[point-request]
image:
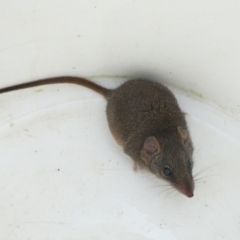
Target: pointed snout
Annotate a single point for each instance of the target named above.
(187, 189)
(190, 195)
(187, 192)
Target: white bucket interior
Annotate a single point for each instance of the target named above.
(62, 174)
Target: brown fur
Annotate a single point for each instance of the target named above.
(145, 119)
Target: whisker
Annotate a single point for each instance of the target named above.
(204, 181)
(155, 186)
(208, 182)
(201, 171)
(196, 154)
(206, 177)
(205, 169)
(168, 195)
(165, 190)
(198, 150)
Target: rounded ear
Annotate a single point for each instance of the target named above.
(150, 148)
(183, 135)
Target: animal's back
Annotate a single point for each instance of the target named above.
(142, 107)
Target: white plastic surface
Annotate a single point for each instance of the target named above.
(63, 177)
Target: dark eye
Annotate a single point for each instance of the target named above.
(167, 172)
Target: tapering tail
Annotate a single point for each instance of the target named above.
(72, 80)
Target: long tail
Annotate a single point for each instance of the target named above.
(73, 80)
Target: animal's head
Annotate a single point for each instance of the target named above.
(171, 159)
